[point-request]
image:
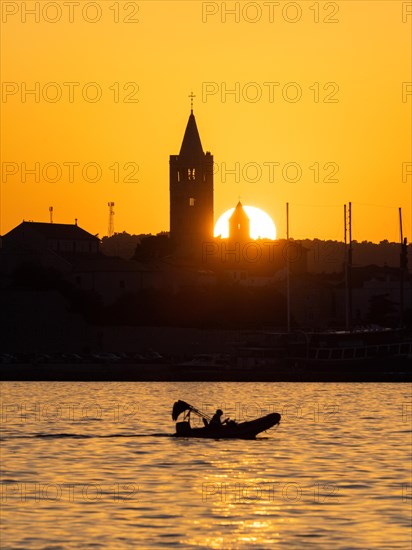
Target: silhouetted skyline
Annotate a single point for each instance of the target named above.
(316, 130)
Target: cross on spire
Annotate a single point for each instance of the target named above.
(192, 96)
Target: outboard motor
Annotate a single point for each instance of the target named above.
(183, 428)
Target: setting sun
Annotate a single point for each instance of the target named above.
(261, 224)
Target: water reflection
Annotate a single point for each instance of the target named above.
(334, 474)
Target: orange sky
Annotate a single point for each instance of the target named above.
(268, 52)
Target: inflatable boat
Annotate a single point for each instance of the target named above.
(227, 430)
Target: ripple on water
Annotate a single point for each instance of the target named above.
(327, 477)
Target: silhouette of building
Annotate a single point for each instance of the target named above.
(54, 237)
(239, 225)
(191, 195)
(47, 244)
(75, 254)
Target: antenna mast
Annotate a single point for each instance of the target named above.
(111, 218)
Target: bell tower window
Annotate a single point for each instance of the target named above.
(192, 201)
(191, 174)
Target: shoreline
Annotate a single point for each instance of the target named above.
(174, 372)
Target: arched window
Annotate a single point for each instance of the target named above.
(191, 174)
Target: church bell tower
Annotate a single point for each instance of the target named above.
(239, 225)
(191, 194)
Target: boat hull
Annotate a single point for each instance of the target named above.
(243, 430)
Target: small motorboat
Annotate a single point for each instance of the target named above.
(229, 429)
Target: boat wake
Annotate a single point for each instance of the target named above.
(81, 436)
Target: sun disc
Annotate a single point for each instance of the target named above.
(261, 224)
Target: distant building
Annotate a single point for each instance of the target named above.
(75, 253)
(46, 244)
(56, 237)
(113, 277)
(319, 300)
(239, 225)
(191, 195)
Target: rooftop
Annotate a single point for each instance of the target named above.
(57, 231)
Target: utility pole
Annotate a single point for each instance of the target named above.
(345, 266)
(403, 270)
(350, 312)
(287, 267)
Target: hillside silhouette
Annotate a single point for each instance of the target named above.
(324, 256)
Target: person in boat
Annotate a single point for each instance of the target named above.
(216, 421)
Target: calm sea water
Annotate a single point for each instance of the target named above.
(92, 465)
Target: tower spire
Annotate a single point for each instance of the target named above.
(191, 145)
(192, 96)
(239, 224)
